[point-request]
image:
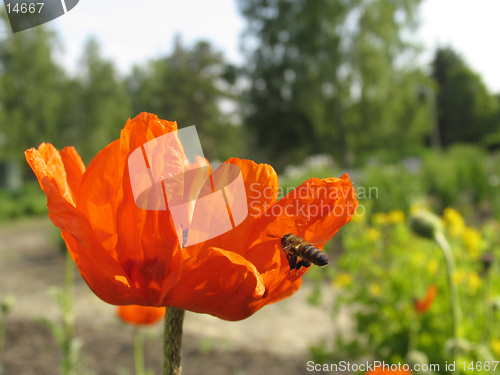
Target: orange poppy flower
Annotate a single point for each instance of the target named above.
(140, 315)
(382, 371)
(128, 255)
(421, 306)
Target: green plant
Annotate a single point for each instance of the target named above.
(384, 267)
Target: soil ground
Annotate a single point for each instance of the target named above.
(273, 341)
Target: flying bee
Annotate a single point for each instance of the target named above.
(301, 253)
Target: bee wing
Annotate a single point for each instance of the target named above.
(317, 244)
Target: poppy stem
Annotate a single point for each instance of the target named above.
(172, 341)
(68, 358)
(3, 328)
(138, 352)
(69, 277)
(413, 335)
(455, 307)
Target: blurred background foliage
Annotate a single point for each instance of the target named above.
(327, 87)
(339, 78)
(386, 268)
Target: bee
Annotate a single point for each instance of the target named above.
(301, 253)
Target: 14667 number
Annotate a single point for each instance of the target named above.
(479, 366)
(24, 8)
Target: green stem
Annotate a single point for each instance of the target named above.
(455, 307)
(172, 341)
(488, 313)
(3, 326)
(138, 352)
(413, 337)
(69, 276)
(68, 315)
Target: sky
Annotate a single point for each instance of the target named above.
(132, 32)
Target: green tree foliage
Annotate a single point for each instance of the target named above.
(100, 101)
(332, 77)
(294, 92)
(188, 86)
(30, 87)
(40, 103)
(387, 111)
(466, 111)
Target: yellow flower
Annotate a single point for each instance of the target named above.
(358, 218)
(432, 266)
(379, 219)
(495, 346)
(454, 221)
(343, 279)
(416, 207)
(458, 276)
(373, 234)
(396, 217)
(474, 281)
(472, 239)
(375, 289)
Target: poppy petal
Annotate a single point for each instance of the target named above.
(101, 272)
(140, 315)
(48, 159)
(216, 282)
(421, 306)
(278, 292)
(315, 211)
(74, 167)
(109, 202)
(261, 186)
(272, 263)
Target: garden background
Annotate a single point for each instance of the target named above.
(327, 87)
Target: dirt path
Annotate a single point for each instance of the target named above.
(273, 341)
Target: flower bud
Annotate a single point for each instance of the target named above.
(415, 357)
(7, 304)
(426, 224)
(460, 346)
(495, 304)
